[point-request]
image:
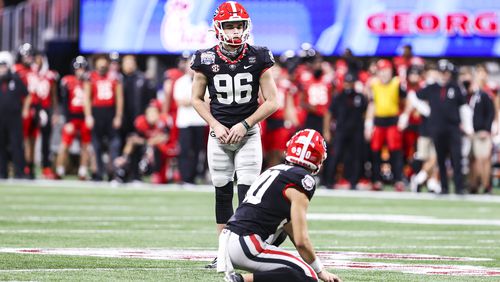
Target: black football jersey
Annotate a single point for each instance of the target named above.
(266, 209)
(233, 85)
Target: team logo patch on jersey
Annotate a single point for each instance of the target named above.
(207, 58)
(308, 182)
(252, 59)
(215, 68)
(232, 67)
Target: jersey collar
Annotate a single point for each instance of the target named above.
(228, 60)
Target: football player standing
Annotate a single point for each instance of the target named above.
(233, 71)
(277, 201)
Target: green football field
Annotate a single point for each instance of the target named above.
(85, 231)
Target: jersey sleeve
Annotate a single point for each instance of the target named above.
(268, 58)
(195, 62)
(304, 182)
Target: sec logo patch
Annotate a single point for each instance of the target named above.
(308, 182)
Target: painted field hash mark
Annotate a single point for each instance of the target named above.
(339, 260)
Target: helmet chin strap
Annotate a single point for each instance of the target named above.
(231, 54)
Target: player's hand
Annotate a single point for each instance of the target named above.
(69, 128)
(221, 133)
(483, 134)
(236, 133)
(89, 122)
(328, 277)
(117, 122)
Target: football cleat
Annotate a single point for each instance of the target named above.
(233, 277)
(212, 265)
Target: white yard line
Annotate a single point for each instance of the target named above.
(405, 219)
(100, 219)
(338, 260)
(101, 231)
(210, 189)
(88, 269)
(387, 218)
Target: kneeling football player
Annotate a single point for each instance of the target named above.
(277, 201)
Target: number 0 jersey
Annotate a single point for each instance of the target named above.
(266, 209)
(233, 85)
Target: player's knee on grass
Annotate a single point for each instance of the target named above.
(224, 203)
(282, 275)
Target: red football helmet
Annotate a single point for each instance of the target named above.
(306, 148)
(231, 11)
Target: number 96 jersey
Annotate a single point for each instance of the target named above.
(233, 85)
(266, 208)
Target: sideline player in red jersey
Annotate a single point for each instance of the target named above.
(278, 127)
(72, 95)
(149, 145)
(43, 113)
(103, 108)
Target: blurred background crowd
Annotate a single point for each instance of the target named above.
(404, 121)
(108, 120)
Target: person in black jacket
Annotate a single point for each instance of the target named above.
(482, 120)
(447, 103)
(138, 91)
(348, 110)
(12, 93)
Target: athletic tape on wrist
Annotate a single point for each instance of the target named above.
(317, 265)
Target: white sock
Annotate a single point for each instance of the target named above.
(421, 177)
(60, 170)
(82, 171)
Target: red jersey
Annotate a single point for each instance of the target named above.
(40, 87)
(317, 95)
(74, 88)
(103, 90)
(146, 130)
